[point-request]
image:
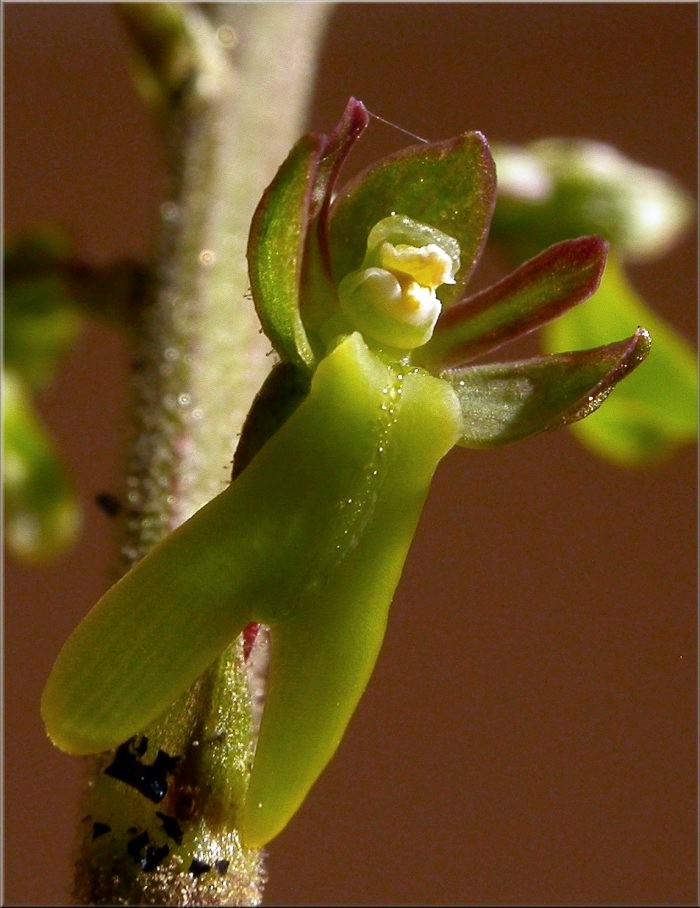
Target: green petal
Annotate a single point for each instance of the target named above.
(449, 185)
(538, 291)
(337, 147)
(310, 539)
(504, 402)
(319, 300)
(275, 251)
(324, 650)
(42, 517)
(655, 411)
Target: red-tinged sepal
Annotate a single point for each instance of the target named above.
(504, 402)
(535, 293)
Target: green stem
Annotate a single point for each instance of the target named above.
(237, 79)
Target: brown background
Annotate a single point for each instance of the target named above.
(529, 734)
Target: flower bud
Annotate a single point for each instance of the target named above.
(557, 188)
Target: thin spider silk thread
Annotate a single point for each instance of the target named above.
(396, 126)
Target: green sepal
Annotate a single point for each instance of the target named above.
(42, 517)
(505, 402)
(449, 185)
(281, 393)
(275, 251)
(655, 411)
(538, 291)
(310, 539)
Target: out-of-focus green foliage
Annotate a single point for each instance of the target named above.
(41, 319)
(48, 296)
(42, 516)
(653, 411)
(555, 189)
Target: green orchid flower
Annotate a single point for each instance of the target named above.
(363, 296)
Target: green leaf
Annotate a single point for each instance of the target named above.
(538, 291)
(504, 402)
(655, 411)
(449, 185)
(275, 251)
(42, 517)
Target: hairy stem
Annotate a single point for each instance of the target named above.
(231, 83)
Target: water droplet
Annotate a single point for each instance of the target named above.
(226, 36)
(130, 553)
(170, 212)
(207, 257)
